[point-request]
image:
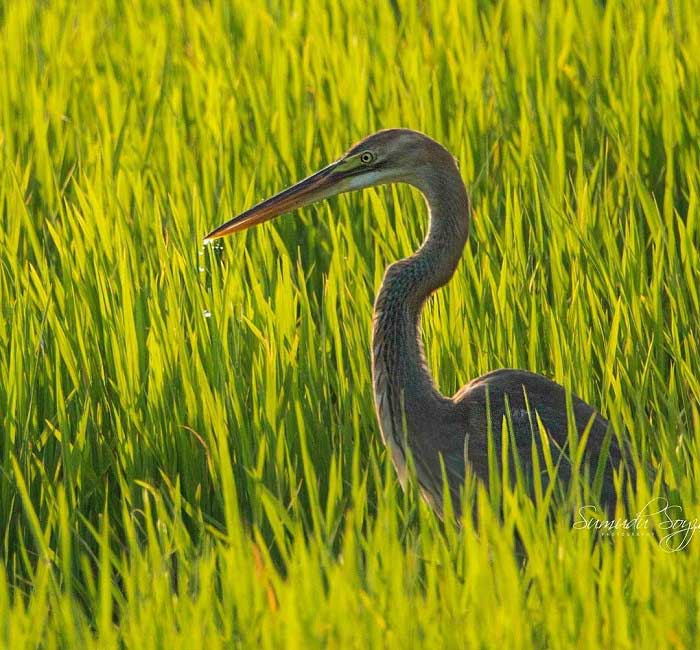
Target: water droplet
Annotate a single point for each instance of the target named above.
(207, 313)
(201, 269)
(214, 244)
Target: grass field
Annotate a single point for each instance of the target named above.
(189, 455)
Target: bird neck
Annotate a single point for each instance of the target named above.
(406, 397)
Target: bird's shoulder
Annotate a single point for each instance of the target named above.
(522, 398)
(510, 380)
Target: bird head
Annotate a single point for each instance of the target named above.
(389, 156)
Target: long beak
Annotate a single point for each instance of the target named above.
(320, 185)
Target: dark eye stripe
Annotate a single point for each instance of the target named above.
(345, 173)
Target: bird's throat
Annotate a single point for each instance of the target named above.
(406, 397)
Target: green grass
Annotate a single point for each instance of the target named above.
(189, 456)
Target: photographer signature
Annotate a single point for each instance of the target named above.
(675, 531)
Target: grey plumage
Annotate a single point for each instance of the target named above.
(438, 430)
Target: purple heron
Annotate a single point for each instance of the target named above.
(445, 435)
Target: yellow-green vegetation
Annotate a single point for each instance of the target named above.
(189, 456)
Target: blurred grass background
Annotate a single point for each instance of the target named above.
(189, 456)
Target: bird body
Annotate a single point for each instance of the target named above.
(413, 415)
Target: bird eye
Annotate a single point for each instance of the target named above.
(366, 157)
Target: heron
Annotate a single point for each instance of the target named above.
(446, 437)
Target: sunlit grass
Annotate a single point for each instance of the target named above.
(189, 455)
